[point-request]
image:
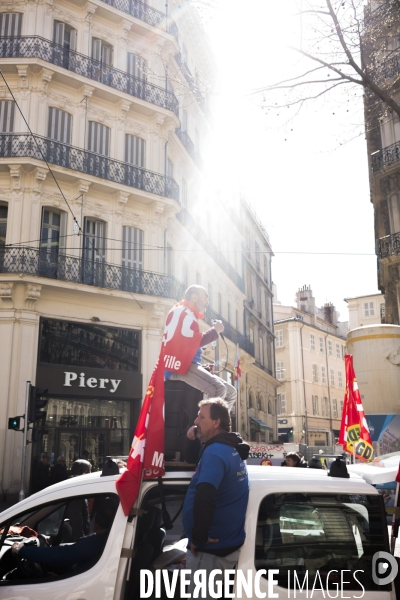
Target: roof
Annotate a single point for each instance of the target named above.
(310, 325)
(365, 296)
(261, 423)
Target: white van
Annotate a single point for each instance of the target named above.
(303, 528)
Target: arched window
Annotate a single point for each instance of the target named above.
(270, 407)
(252, 403)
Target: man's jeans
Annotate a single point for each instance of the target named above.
(211, 385)
(207, 563)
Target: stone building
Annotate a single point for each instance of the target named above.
(94, 252)
(310, 347)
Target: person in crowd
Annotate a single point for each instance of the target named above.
(292, 459)
(83, 551)
(315, 463)
(59, 471)
(184, 341)
(216, 501)
(41, 474)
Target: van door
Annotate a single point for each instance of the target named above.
(59, 522)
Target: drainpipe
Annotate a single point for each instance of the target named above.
(329, 392)
(304, 384)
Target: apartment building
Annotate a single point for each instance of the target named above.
(310, 347)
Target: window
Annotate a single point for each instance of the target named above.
(65, 521)
(337, 350)
(321, 345)
(257, 253)
(65, 36)
(7, 108)
(315, 373)
(184, 120)
(137, 67)
(237, 320)
(325, 406)
(266, 269)
(330, 348)
(135, 150)
(279, 338)
(341, 407)
(261, 349)
(312, 341)
(251, 334)
(229, 312)
(369, 310)
(94, 251)
(332, 375)
(59, 125)
(99, 138)
(281, 404)
(10, 24)
(3, 224)
(323, 375)
(170, 260)
(219, 304)
(334, 408)
(340, 379)
(343, 350)
(52, 239)
(280, 371)
(102, 51)
(132, 244)
(309, 529)
(184, 194)
(315, 405)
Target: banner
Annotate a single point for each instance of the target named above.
(181, 338)
(146, 456)
(354, 432)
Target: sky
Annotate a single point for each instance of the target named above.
(307, 181)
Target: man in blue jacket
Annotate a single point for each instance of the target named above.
(215, 506)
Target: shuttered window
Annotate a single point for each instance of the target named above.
(64, 35)
(99, 138)
(59, 125)
(135, 150)
(137, 66)
(10, 24)
(3, 223)
(102, 51)
(132, 254)
(94, 240)
(7, 108)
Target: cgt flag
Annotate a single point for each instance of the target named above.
(354, 432)
(146, 457)
(237, 373)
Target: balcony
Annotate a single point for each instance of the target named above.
(18, 145)
(189, 146)
(388, 69)
(144, 12)
(51, 265)
(40, 48)
(230, 332)
(385, 157)
(389, 246)
(192, 81)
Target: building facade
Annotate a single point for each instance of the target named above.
(310, 347)
(96, 249)
(366, 310)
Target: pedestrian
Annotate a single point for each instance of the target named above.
(41, 474)
(315, 463)
(216, 501)
(323, 460)
(183, 343)
(292, 459)
(59, 471)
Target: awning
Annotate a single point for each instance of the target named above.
(260, 423)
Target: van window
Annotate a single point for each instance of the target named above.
(54, 531)
(310, 537)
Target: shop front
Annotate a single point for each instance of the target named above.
(92, 374)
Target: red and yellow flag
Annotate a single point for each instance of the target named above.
(354, 432)
(146, 457)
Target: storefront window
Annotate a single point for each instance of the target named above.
(88, 346)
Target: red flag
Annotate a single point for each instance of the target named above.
(237, 373)
(147, 450)
(354, 432)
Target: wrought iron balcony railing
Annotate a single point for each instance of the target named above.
(230, 332)
(385, 157)
(189, 145)
(38, 47)
(53, 265)
(146, 13)
(191, 80)
(389, 245)
(84, 161)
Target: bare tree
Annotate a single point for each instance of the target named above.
(348, 44)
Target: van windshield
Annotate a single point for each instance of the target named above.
(331, 537)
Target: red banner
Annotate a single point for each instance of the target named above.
(181, 339)
(354, 432)
(147, 450)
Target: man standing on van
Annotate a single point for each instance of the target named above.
(183, 343)
(215, 506)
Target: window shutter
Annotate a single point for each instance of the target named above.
(59, 125)
(132, 254)
(10, 24)
(135, 150)
(58, 33)
(7, 108)
(99, 138)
